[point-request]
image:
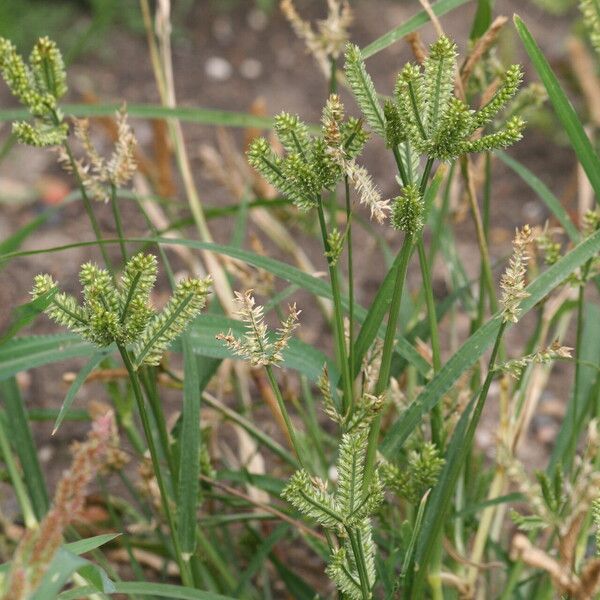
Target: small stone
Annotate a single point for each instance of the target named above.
(218, 68)
(222, 30)
(257, 19)
(532, 211)
(250, 68)
(46, 453)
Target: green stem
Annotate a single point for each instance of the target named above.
(350, 276)
(139, 397)
(347, 399)
(437, 424)
(118, 222)
(286, 417)
(13, 472)
(360, 564)
(159, 417)
(387, 351)
(578, 365)
(87, 204)
(390, 333)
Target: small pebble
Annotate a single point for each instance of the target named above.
(250, 68)
(46, 453)
(218, 68)
(257, 19)
(532, 211)
(222, 30)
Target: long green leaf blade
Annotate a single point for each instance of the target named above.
(24, 445)
(421, 18)
(477, 344)
(77, 383)
(189, 463)
(563, 107)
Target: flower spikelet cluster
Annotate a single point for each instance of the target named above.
(38, 546)
(590, 9)
(408, 210)
(346, 512)
(513, 280)
(257, 345)
(419, 474)
(97, 173)
(38, 85)
(369, 195)
(314, 164)
(425, 118)
(328, 41)
(121, 312)
(556, 351)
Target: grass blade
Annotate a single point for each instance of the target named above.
(190, 114)
(142, 588)
(24, 446)
(421, 18)
(477, 344)
(21, 354)
(94, 361)
(60, 570)
(89, 544)
(26, 313)
(564, 109)
(189, 463)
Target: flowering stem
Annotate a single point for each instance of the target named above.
(390, 333)
(284, 412)
(139, 397)
(350, 276)
(118, 222)
(87, 204)
(359, 558)
(436, 414)
(148, 384)
(347, 399)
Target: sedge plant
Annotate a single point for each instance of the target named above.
(370, 465)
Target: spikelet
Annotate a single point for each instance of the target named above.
(333, 115)
(346, 512)
(555, 351)
(38, 546)
(96, 173)
(437, 84)
(48, 68)
(513, 279)
(38, 86)
(364, 91)
(189, 298)
(408, 210)
(328, 41)
(121, 312)
(426, 117)
(419, 474)
(257, 346)
(314, 164)
(590, 9)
